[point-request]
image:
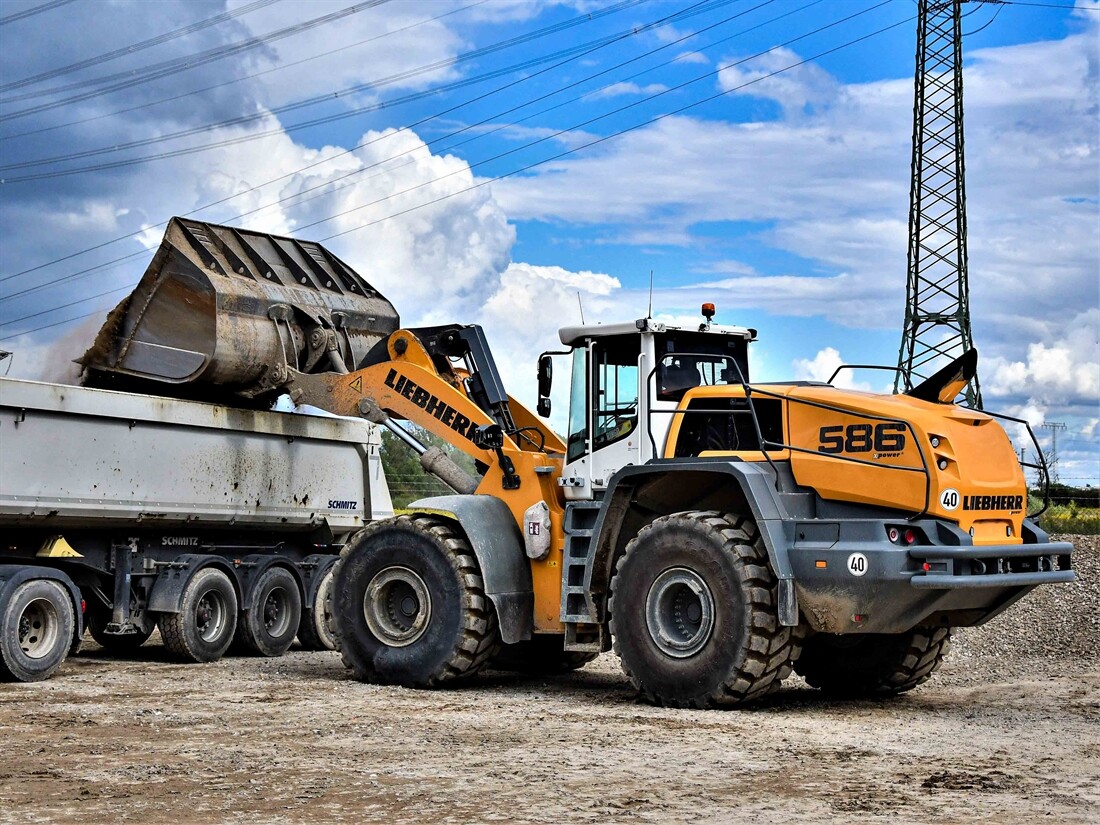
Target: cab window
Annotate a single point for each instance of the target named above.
(615, 375)
(578, 407)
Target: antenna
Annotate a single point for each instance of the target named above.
(580, 305)
(649, 312)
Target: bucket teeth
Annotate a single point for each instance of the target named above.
(228, 308)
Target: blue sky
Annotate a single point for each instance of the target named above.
(783, 201)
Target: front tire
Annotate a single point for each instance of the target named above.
(873, 664)
(409, 605)
(203, 629)
(36, 631)
(694, 613)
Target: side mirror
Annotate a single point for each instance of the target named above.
(546, 381)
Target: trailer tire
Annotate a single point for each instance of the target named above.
(694, 613)
(873, 664)
(203, 629)
(541, 655)
(36, 631)
(268, 626)
(97, 619)
(315, 628)
(409, 605)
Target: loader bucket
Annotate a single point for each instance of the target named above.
(229, 308)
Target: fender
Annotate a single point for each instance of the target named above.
(13, 575)
(312, 569)
(498, 546)
(167, 592)
(742, 483)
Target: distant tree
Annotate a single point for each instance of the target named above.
(407, 479)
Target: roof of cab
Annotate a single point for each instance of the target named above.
(570, 336)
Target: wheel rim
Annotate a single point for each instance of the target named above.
(276, 612)
(679, 612)
(210, 615)
(397, 606)
(38, 629)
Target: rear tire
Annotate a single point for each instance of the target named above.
(269, 624)
(409, 605)
(541, 655)
(36, 631)
(203, 629)
(873, 664)
(315, 628)
(694, 613)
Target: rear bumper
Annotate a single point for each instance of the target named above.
(901, 587)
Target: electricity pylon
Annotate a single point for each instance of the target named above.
(937, 293)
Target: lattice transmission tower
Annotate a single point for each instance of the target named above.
(937, 300)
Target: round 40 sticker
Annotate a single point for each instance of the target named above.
(949, 499)
(857, 564)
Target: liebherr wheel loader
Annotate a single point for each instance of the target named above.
(716, 533)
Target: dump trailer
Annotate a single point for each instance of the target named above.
(122, 511)
(716, 533)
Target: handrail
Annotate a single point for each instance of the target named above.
(905, 375)
(1042, 467)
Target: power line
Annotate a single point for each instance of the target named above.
(231, 81)
(137, 47)
(581, 147)
(327, 97)
(185, 63)
(114, 262)
(22, 15)
(661, 21)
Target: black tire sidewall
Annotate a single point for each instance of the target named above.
(697, 676)
(204, 581)
(256, 634)
(420, 662)
(15, 661)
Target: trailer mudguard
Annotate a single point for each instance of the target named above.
(167, 592)
(675, 483)
(498, 546)
(13, 575)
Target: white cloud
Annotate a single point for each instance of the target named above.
(821, 368)
(621, 89)
(798, 89)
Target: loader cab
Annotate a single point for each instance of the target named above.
(626, 381)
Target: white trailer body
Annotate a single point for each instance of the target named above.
(129, 511)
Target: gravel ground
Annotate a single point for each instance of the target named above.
(1008, 732)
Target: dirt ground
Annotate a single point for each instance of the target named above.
(992, 738)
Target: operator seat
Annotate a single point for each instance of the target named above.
(677, 377)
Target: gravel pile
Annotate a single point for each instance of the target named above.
(1054, 630)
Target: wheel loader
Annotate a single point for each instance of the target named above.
(716, 533)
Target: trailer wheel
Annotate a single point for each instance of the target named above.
(271, 621)
(204, 627)
(540, 655)
(409, 605)
(694, 613)
(36, 631)
(315, 628)
(869, 664)
(97, 619)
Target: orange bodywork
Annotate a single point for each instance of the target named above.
(874, 449)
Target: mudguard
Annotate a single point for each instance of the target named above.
(168, 589)
(753, 483)
(13, 575)
(498, 546)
